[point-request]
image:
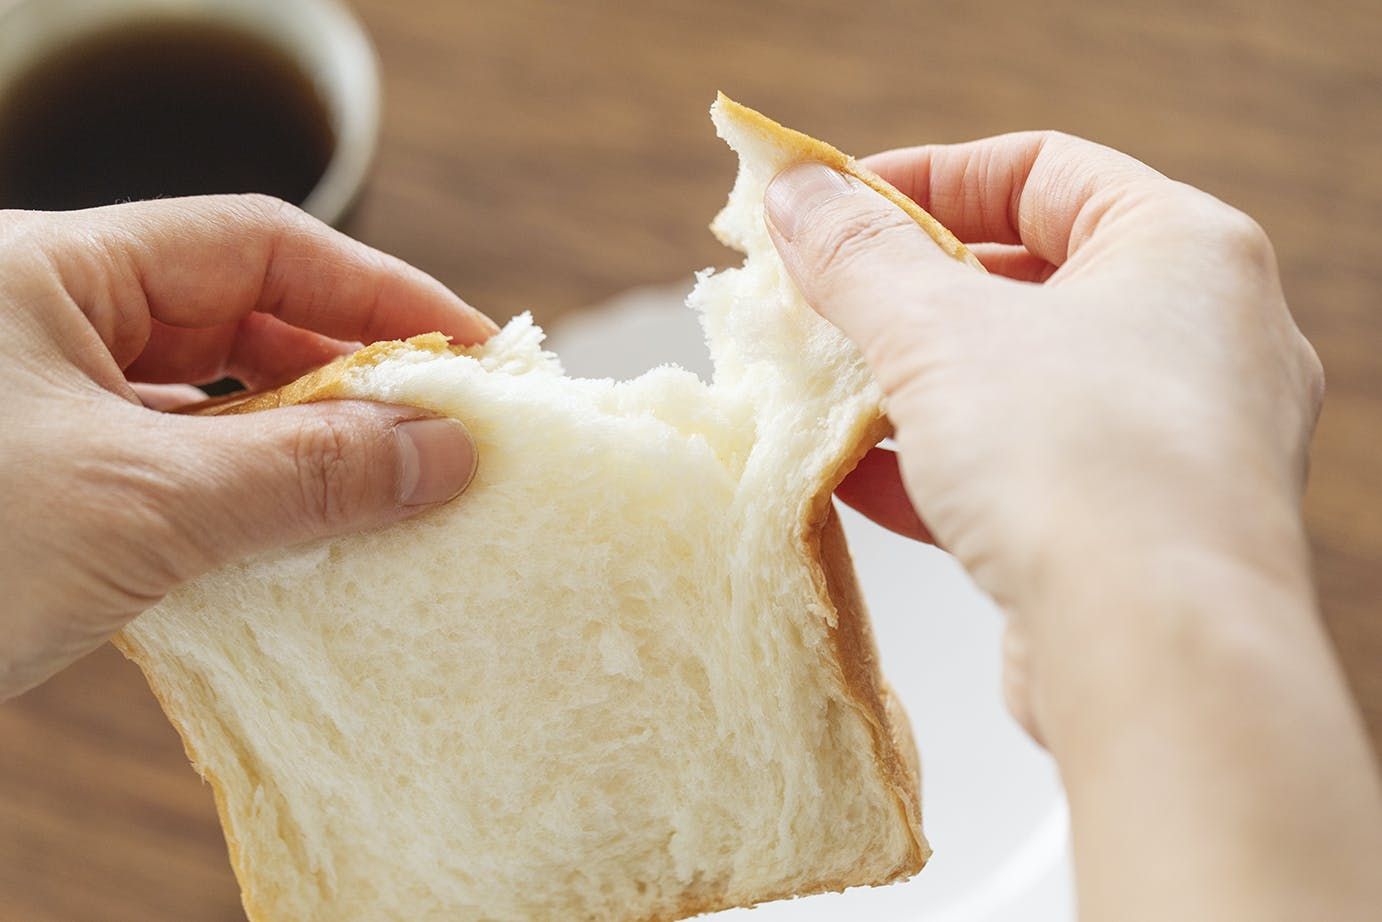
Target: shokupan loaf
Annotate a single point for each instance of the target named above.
(627, 676)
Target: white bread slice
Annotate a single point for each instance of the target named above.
(627, 676)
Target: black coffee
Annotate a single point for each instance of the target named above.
(161, 109)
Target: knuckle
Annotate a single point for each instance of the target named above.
(1241, 237)
(1233, 235)
(326, 474)
(1175, 209)
(264, 203)
(261, 209)
(1210, 226)
(1313, 372)
(1052, 138)
(13, 223)
(34, 241)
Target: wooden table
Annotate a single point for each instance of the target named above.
(545, 155)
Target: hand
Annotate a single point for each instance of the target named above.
(1110, 433)
(1129, 374)
(107, 504)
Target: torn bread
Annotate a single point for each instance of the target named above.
(627, 676)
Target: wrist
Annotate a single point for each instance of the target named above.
(1155, 534)
(1124, 630)
(1201, 724)
(1218, 562)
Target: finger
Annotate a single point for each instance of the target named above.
(259, 350)
(858, 259)
(207, 261)
(1012, 261)
(268, 352)
(1044, 190)
(167, 396)
(178, 355)
(232, 486)
(875, 489)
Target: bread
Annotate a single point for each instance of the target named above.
(627, 676)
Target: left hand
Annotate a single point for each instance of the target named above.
(108, 504)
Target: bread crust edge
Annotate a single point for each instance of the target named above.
(856, 652)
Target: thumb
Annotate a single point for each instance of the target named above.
(247, 483)
(857, 258)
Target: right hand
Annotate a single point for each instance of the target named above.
(1110, 433)
(1129, 375)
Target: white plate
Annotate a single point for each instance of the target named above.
(992, 805)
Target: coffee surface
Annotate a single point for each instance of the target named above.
(161, 109)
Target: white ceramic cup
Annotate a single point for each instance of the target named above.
(321, 36)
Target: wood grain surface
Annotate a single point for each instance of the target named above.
(544, 155)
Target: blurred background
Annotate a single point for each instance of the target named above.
(546, 156)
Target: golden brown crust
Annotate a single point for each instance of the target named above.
(326, 383)
(805, 147)
(856, 655)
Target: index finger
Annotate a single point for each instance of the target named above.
(202, 262)
(1042, 189)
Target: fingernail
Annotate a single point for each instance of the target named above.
(437, 460)
(798, 191)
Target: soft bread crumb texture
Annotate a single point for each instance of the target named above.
(627, 676)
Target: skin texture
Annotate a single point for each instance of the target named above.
(1110, 432)
(108, 503)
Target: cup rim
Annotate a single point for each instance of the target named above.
(323, 37)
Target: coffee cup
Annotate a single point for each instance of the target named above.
(108, 100)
